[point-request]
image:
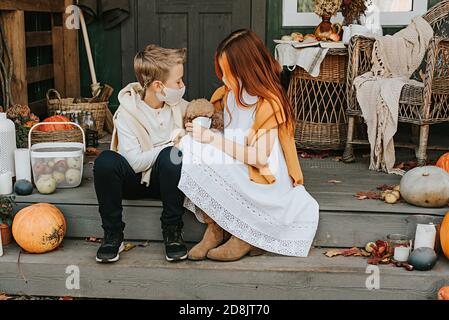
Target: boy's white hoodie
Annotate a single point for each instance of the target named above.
(131, 116)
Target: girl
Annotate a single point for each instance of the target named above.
(248, 182)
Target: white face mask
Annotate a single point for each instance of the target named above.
(172, 96)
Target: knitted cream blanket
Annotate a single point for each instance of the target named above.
(394, 58)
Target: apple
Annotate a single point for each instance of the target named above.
(73, 177)
(46, 184)
(59, 177)
(74, 163)
(61, 166)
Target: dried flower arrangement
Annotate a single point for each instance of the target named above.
(327, 8)
(353, 9)
(23, 120)
(6, 209)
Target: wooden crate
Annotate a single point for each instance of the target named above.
(65, 67)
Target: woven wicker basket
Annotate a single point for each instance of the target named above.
(98, 109)
(319, 104)
(56, 136)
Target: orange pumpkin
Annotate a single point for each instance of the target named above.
(55, 127)
(443, 294)
(444, 235)
(39, 228)
(443, 162)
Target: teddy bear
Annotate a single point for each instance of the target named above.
(203, 108)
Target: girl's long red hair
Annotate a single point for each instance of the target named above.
(247, 64)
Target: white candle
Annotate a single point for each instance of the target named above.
(401, 254)
(425, 236)
(23, 164)
(5, 183)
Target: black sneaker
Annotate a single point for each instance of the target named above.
(111, 247)
(175, 248)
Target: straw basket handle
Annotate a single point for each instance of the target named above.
(52, 123)
(56, 93)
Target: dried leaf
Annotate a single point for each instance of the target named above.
(129, 246)
(144, 244)
(372, 195)
(333, 253)
(386, 187)
(352, 252)
(4, 297)
(320, 155)
(66, 298)
(365, 253)
(92, 151)
(93, 239)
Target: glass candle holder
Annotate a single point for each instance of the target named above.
(397, 240)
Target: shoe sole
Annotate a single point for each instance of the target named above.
(176, 259)
(115, 259)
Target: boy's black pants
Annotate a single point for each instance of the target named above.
(116, 180)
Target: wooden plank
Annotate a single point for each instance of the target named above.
(33, 5)
(129, 44)
(14, 27)
(40, 73)
(400, 144)
(57, 33)
(38, 39)
(143, 273)
(336, 229)
(258, 18)
(71, 59)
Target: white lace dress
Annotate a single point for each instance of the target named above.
(275, 217)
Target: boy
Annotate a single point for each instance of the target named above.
(143, 161)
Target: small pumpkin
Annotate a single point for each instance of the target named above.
(444, 235)
(443, 162)
(55, 127)
(426, 187)
(23, 188)
(39, 228)
(423, 259)
(443, 294)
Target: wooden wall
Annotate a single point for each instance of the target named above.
(107, 52)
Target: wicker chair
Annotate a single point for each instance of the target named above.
(418, 106)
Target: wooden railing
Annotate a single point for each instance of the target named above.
(65, 67)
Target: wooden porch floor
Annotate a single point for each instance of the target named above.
(143, 273)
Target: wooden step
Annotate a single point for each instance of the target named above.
(143, 273)
(344, 220)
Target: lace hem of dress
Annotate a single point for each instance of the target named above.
(200, 198)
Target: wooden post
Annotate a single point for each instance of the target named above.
(14, 26)
(57, 33)
(71, 58)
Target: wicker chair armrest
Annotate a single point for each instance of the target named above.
(436, 82)
(360, 61)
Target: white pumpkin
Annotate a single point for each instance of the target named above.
(74, 163)
(46, 184)
(73, 177)
(426, 187)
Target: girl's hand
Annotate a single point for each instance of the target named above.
(202, 134)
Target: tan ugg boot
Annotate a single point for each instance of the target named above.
(234, 249)
(213, 237)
